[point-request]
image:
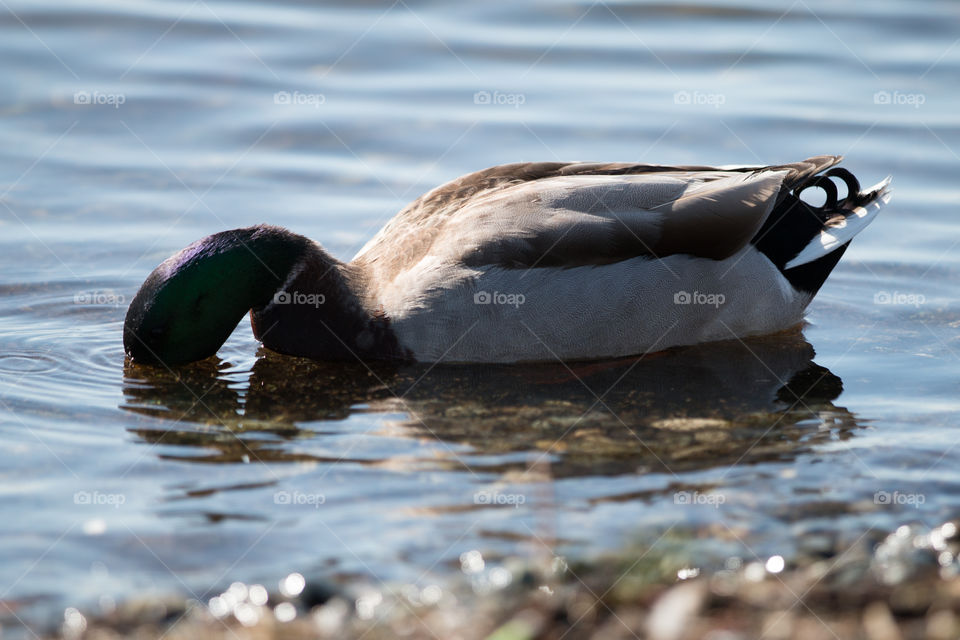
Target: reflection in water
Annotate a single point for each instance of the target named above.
(684, 409)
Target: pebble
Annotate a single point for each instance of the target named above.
(674, 611)
(878, 623)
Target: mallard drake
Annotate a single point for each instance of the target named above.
(523, 262)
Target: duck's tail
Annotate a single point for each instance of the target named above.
(806, 242)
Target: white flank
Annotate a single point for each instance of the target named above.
(626, 308)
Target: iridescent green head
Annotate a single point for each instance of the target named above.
(190, 304)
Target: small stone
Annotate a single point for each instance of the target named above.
(878, 623)
(673, 613)
(689, 424)
(778, 625)
(942, 625)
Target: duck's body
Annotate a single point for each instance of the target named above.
(526, 262)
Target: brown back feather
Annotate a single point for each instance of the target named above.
(411, 234)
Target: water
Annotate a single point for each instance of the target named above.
(132, 129)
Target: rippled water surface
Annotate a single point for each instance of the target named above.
(132, 129)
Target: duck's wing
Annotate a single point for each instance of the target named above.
(573, 214)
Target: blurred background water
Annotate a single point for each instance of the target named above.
(131, 129)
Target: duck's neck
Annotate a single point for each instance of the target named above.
(321, 312)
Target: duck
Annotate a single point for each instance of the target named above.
(524, 262)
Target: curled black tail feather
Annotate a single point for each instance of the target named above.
(793, 223)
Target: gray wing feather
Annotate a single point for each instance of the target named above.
(572, 214)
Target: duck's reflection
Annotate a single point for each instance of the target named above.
(716, 404)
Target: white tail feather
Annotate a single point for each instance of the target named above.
(837, 235)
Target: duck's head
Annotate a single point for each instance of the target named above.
(190, 304)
